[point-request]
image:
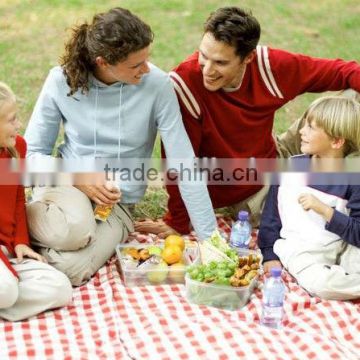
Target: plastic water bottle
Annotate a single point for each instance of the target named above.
(241, 231)
(273, 300)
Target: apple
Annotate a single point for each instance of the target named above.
(177, 272)
(158, 273)
(154, 250)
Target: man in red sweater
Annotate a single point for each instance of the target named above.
(229, 91)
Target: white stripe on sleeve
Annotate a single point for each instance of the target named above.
(187, 92)
(262, 71)
(270, 74)
(183, 98)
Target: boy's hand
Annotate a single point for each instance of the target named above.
(311, 202)
(268, 265)
(22, 250)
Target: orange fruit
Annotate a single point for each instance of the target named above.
(171, 254)
(175, 240)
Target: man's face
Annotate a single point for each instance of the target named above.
(220, 66)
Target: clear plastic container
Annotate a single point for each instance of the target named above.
(150, 272)
(220, 296)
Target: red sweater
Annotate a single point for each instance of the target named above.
(239, 124)
(13, 225)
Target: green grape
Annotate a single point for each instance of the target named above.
(213, 272)
(221, 274)
(200, 277)
(213, 265)
(233, 255)
(229, 272)
(194, 273)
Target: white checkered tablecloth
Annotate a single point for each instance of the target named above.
(110, 321)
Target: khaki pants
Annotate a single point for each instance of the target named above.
(61, 223)
(328, 271)
(254, 205)
(289, 142)
(40, 287)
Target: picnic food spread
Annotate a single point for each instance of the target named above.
(216, 274)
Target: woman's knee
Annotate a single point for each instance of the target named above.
(76, 265)
(51, 226)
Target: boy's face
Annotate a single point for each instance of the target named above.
(315, 141)
(220, 66)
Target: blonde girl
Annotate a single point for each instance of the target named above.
(28, 285)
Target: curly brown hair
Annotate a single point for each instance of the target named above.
(235, 27)
(112, 35)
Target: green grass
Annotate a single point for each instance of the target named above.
(32, 33)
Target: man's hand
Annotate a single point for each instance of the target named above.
(311, 202)
(22, 251)
(268, 265)
(157, 227)
(101, 194)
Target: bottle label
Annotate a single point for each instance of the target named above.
(239, 240)
(272, 312)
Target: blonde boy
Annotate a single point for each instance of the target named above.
(314, 230)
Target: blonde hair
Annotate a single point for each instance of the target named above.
(7, 94)
(339, 117)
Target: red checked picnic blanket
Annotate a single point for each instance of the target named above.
(110, 321)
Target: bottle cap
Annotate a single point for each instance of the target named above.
(275, 271)
(243, 215)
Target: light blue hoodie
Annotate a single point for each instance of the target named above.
(118, 121)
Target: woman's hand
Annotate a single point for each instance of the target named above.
(107, 194)
(22, 251)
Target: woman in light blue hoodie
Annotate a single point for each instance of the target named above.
(111, 102)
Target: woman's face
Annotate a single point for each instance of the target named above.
(9, 124)
(129, 71)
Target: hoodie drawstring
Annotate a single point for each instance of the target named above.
(119, 120)
(95, 122)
